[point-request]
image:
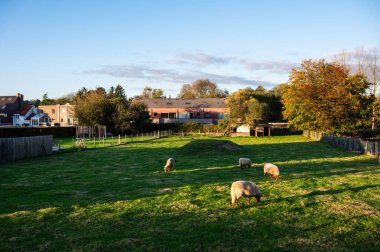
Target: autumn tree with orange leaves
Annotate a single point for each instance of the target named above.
(324, 97)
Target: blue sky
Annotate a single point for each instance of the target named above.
(60, 46)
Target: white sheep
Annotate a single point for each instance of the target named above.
(245, 162)
(272, 170)
(246, 189)
(169, 165)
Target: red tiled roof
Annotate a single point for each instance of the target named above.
(185, 103)
(25, 109)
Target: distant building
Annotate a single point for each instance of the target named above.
(60, 115)
(22, 116)
(203, 110)
(8, 106)
(40, 119)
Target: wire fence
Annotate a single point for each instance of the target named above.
(79, 144)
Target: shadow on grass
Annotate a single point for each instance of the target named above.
(135, 171)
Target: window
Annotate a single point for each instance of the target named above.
(198, 115)
(155, 114)
(62, 120)
(164, 115)
(207, 115)
(191, 115)
(16, 116)
(183, 115)
(172, 115)
(53, 111)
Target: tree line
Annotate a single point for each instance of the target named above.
(333, 97)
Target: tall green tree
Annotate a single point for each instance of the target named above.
(249, 106)
(324, 97)
(94, 108)
(112, 109)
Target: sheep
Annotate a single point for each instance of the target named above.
(245, 162)
(244, 189)
(169, 165)
(272, 170)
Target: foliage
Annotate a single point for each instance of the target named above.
(148, 92)
(280, 89)
(112, 109)
(119, 199)
(248, 106)
(368, 133)
(201, 89)
(324, 97)
(69, 98)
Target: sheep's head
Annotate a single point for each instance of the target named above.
(258, 198)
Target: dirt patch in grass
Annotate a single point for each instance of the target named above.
(207, 146)
(230, 146)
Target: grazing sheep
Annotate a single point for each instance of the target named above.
(169, 165)
(272, 170)
(244, 189)
(245, 162)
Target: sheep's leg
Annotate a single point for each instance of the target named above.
(249, 200)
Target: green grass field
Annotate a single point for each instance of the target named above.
(119, 198)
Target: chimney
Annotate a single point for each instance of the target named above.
(20, 100)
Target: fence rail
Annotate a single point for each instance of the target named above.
(24, 147)
(353, 144)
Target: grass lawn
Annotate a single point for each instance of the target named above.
(119, 198)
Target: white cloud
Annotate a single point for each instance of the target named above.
(172, 76)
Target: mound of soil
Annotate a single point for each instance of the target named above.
(231, 146)
(207, 146)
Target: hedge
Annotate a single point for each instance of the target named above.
(58, 132)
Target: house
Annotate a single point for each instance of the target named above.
(41, 119)
(203, 110)
(8, 106)
(22, 116)
(60, 115)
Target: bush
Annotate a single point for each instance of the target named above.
(367, 133)
(57, 132)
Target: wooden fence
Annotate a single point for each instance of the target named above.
(353, 144)
(24, 147)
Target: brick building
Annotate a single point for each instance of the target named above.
(203, 110)
(60, 115)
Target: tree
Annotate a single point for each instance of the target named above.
(112, 109)
(201, 89)
(260, 89)
(158, 93)
(94, 108)
(280, 89)
(364, 62)
(324, 97)
(248, 106)
(148, 92)
(46, 100)
(373, 74)
(69, 98)
(187, 92)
